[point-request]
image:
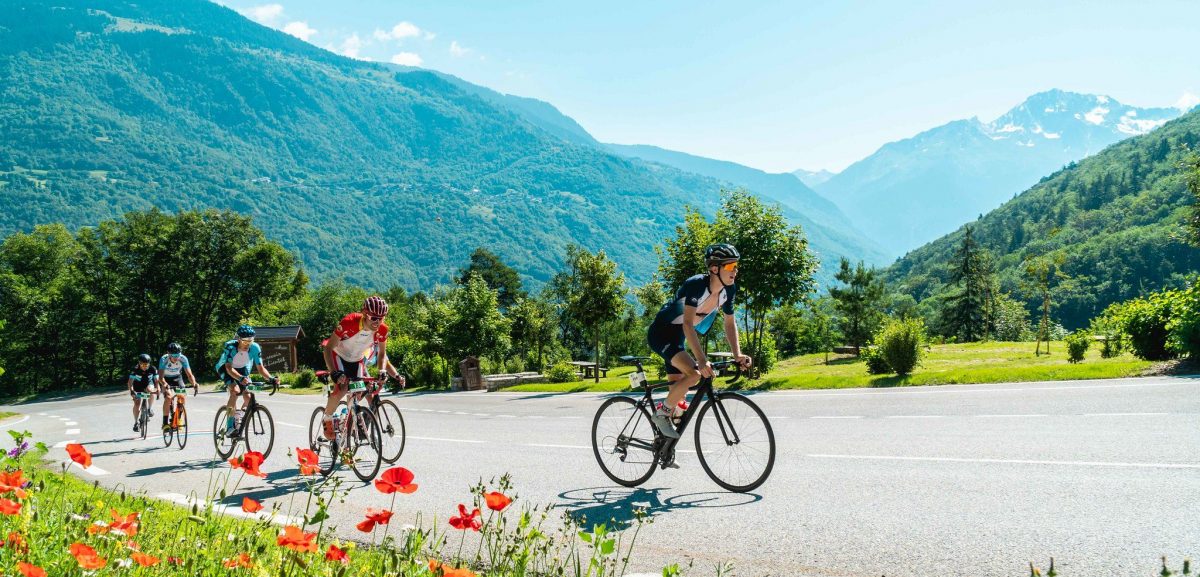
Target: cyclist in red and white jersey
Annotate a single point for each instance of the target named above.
(346, 352)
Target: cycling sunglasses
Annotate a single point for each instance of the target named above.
(374, 318)
(730, 266)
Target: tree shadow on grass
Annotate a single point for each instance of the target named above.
(616, 505)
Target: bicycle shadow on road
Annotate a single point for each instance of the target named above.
(190, 465)
(617, 505)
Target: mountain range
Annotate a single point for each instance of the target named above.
(918, 189)
(377, 174)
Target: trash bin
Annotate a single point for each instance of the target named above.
(472, 378)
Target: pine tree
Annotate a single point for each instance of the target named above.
(969, 310)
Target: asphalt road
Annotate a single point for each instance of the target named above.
(969, 480)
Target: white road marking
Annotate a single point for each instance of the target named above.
(41, 414)
(62, 444)
(838, 417)
(557, 446)
(16, 422)
(1008, 416)
(461, 413)
(507, 416)
(95, 471)
(481, 415)
(231, 510)
(443, 439)
(1014, 461)
(915, 416)
(291, 425)
(72, 432)
(70, 423)
(979, 388)
(64, 418)
(1124, 414)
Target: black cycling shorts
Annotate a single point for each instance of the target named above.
(231, 384)
(175, 382)
(667, 340)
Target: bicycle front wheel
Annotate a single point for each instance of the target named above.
(144, 418)
(326, 449)
(181, 431)
(168, 433)
(391, 429)
(363, 449)
(735, 442)
(223, 441)
(259, 431)
(624, 441)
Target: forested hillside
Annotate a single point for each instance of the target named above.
(1114, 220)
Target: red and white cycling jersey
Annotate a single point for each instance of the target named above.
(356, 338)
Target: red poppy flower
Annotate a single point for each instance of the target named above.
(17, 543)
(87, 557)
(242, 560)
(9, 507)
(380, 516)
(79, 455)
(30, 570)
(497, 501)
(308, 461)
(13, 482)
(396, 479)
(127, 525)
(174, 561)
(335, 554)
(448, 571)
(249, 463)
(144, 560)
(297, 540)
(466, 520)
(250, 505)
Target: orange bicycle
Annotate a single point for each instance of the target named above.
(177, 424)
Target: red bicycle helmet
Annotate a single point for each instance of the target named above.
(376, 306)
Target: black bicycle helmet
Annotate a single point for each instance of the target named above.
(143, 358)
(174, 348)
(720, 253)
(245, 331)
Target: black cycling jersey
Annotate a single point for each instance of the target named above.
(693, 293)
(143, 378)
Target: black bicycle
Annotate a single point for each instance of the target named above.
(256, 429)
(734, 440)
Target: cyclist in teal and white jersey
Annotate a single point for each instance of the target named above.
(171, 369)
(238, 357)
(682, 320)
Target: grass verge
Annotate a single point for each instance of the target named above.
(992, 362)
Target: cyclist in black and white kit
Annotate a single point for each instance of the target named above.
(172, 367)
(142, 379)
(682, 320)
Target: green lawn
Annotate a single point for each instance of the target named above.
(993, 362)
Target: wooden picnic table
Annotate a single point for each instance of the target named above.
(589, 368)
(721, 356)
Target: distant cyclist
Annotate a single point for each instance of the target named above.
(681, 321)
(238, 357)
(347, 349)
(142, 379)
(172, 367)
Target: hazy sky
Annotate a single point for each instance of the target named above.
(776, 85)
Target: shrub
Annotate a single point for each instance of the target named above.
(304, 379)
(1184, 327)
(1077, 345)
(765, 357)
(900, 343)
(1145, 321)
(876, 364)
(561, 373)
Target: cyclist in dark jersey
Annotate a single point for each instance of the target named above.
(141, 380)
(682, 320)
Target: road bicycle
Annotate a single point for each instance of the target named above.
(357, 441)
(144, 414)
(177, 423)
(256, 429)
(733, 437)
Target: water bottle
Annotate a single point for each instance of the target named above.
(677, 412)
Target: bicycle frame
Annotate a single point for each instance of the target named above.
(704, 392)
(250, 406)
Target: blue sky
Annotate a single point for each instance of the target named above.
(776, 85)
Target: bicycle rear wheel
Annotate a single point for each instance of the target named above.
(181, 430)
(735, 442)
(326, 449)
(224, 442)
(259, 431)
(624, 441)
(144, 417)
(365, 445)
(391, 430)
(168, 433)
